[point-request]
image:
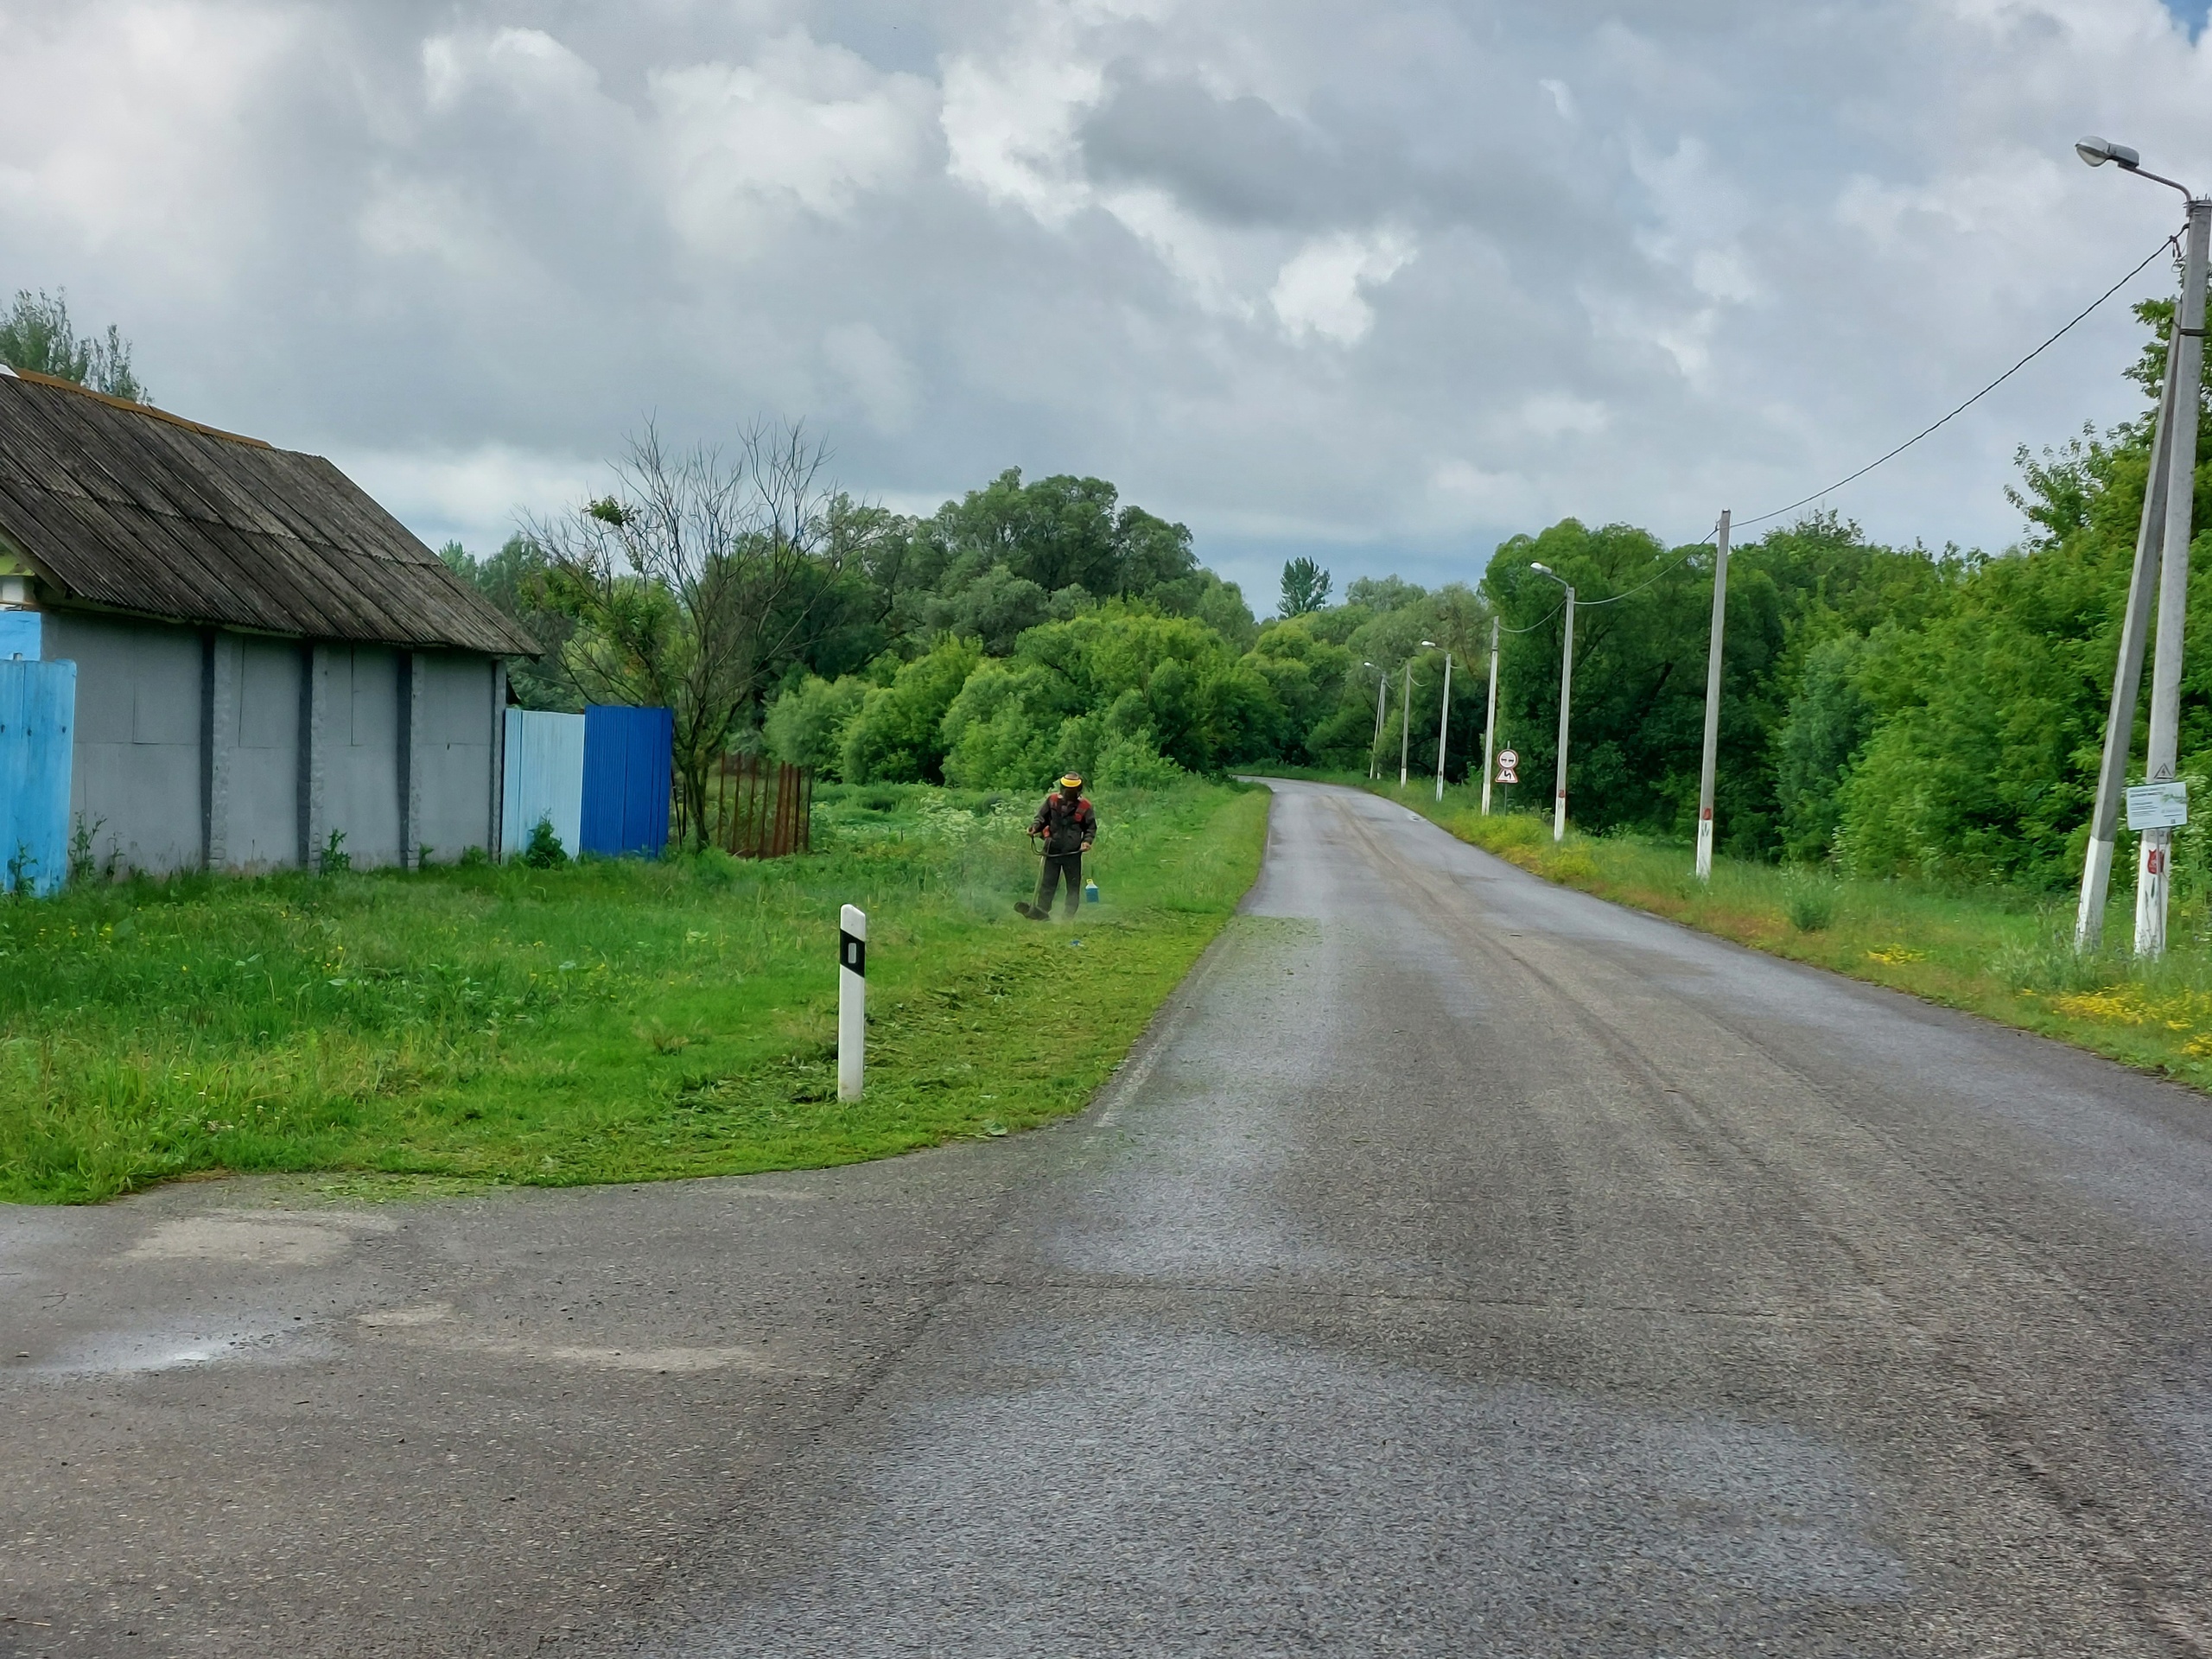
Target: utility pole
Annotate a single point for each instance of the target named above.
(1405, 723)
(1375, 749)
(2154, 871)
(1443, 717)
(1713, 701)
(2161, 553)
(2127, 680)
(1489, 717)
(1565, 702)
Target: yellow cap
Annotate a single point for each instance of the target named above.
(1071, 781)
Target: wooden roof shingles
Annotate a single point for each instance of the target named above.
(140, 511)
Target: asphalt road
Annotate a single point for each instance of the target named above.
(1463, 1266)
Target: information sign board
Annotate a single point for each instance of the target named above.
(2158, 806)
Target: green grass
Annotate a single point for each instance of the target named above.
(1997, 952)
(607, 1021)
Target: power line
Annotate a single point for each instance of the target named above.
(1925, 431)
(1688, 555)
(1972, 401)
(1539, 622)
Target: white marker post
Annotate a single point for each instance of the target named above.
(852, 1000)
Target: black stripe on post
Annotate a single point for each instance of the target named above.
(851, 953)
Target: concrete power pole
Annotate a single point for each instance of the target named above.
(1566, 706)
(2161, 556)
(1489, 717)
(1405, 723)
(2128, 680)
(2154, 872)
(1712, 701)
(1443, 719)
(1565, 702)
(1375, 749)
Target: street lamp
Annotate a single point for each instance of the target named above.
(2161, 563)
(1443, 714)
(1375, 748)
(1565, 695)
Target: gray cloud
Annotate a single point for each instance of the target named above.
(1385, 283)
(1239, 161)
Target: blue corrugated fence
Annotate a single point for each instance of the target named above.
(628, 759)
(545, 780)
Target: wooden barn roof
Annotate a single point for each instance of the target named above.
(134, 509)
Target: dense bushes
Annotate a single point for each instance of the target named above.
(1120, 692)
(896, 736)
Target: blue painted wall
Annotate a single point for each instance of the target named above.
(629, 756)
(38, 716)
(19, 634)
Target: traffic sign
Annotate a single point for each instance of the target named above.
(1508, 759)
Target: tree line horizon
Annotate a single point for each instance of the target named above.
(1885, 710)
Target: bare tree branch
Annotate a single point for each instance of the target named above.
(693, 581)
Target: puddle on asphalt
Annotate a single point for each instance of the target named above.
(174, 1348)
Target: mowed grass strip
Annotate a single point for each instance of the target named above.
(607, 1021)
(2001, 953)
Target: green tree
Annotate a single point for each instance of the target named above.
(38, 335)
(1309, 676)
(1828, 721)
(805, 727)
(1114, 686)
(1304, 586)
(996, 607)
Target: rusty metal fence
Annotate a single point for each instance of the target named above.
(761, 808)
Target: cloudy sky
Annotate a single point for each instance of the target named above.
(1380, 281)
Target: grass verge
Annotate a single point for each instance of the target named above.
(607, 1021)
(2004, 955)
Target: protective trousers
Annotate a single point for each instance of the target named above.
(1061, 866)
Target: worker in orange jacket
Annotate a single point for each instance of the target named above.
(1068, 826)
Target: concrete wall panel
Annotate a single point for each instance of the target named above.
(145, 771)
(138, 775)
(456, 751)
(362, 780)
(264, 778)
